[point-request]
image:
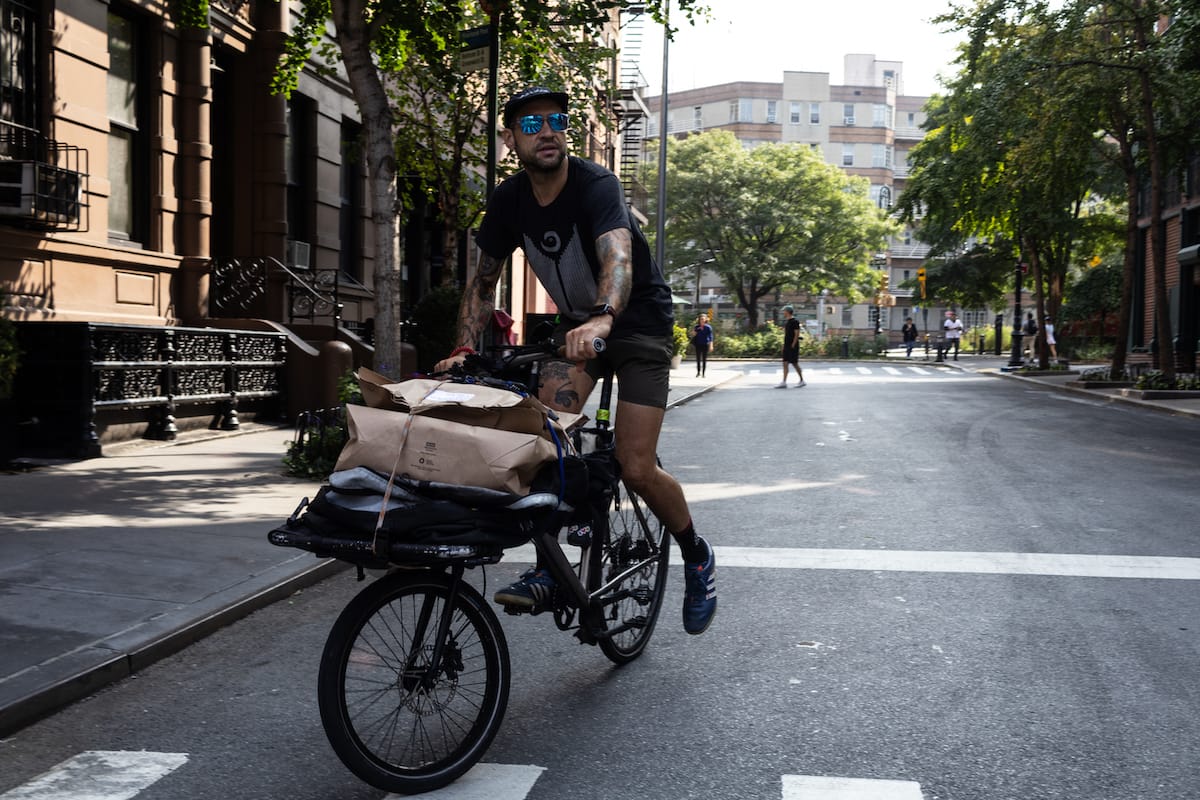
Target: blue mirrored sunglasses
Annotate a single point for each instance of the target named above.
(532, 123)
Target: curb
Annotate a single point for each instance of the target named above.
(130, 652)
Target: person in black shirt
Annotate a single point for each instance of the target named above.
(569, 217)
(791, 348)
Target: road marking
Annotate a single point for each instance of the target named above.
(863, 371)
(1061, 564)
(99, 775)
(891, 371)
(487, 782)
(812, 787)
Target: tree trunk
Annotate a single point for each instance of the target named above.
(1158, 245)
(354, 38)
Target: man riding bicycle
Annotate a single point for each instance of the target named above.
(569, 217)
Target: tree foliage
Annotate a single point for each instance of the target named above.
(1056, 104)
(769, 218)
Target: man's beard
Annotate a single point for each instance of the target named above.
(533, 165)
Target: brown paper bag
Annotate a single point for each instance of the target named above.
(444, 450)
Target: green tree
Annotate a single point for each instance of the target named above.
(1094, 298)
(772, 217)
(1048, 93)
(1013, 155)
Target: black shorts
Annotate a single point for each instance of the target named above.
(642, 364)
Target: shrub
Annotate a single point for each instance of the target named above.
(1155, 379)
(679, 340)
(321, 435)
(9, 357)
(436, 321)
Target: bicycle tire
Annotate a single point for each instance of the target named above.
(635, 535)
(399, 728)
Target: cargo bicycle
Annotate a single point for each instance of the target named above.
(415, 674)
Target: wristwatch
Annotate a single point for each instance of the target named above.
(601, 310)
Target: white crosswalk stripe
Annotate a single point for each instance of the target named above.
(99, 775)
(810, 787)
(123, 775)
(874, 371)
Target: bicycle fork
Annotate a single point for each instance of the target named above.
(415, 674)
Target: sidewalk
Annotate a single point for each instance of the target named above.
(111, 564)
(998, 365)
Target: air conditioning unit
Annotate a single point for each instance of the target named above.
(848, 120)
(297, 254)
(35, 191)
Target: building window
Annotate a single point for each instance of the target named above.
(795, 113)
(848, 113)
(881, 115)
(847, 154)
(912, 119)
(299, 163)
(814, 113)
(18, 77)
(772, 111)
(697, 118)
(734, 105)
(745, 110)
(847, 316)
(350, 214)
(878, 157)
(128, 145)
(889, 78)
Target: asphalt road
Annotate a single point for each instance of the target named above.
(864, 647)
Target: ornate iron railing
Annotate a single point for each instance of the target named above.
(239, 289)
(76, 372)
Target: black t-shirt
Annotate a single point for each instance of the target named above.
(559, 241)
(791, 341)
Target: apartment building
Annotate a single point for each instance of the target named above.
(865, 126)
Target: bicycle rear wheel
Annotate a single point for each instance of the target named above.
(398, 721)
(637, 547)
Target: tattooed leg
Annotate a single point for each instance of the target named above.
(564, 386)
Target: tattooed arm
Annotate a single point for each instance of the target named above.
(478, 303)
(615, 252)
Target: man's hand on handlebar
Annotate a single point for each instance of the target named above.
(446, 364)
(580, 341)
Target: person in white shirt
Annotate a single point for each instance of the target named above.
(1051, 342)
(954, 331)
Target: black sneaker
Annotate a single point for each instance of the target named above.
(700, 593)
(532, 592)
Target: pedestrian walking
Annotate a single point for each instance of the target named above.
(1030, 329)
(909, 332)
(1051, 342)
(954, 331)
(702, 342)
(791, 347)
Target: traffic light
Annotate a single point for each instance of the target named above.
(921, 280)
(884, 283)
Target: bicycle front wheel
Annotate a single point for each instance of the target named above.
(399, 721)
(634, 554)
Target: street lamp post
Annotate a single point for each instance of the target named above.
(1017, 360)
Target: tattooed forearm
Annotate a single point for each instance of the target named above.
(615, 252)
(479, 301)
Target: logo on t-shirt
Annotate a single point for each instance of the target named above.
(551, 243)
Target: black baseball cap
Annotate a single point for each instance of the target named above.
(528, 95)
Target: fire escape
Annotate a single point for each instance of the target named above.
(629, 105)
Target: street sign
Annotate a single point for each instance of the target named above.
(473, 60)
(475, 52)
